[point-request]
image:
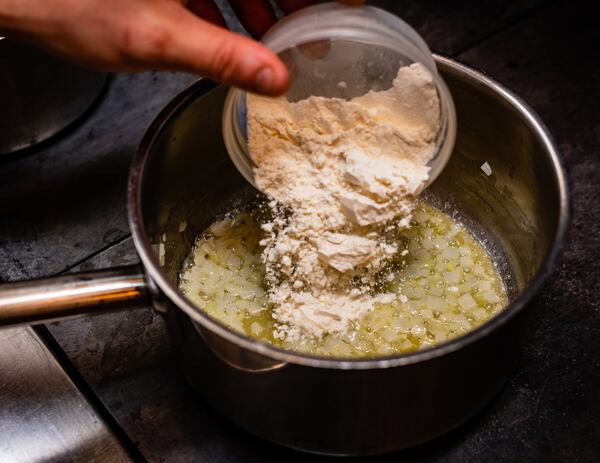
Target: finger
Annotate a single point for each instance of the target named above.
(315, 50)
(256, 16)
(176, 39)
(207, 9)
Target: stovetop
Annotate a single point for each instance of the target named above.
(107, 388)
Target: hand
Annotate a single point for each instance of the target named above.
(178, 35)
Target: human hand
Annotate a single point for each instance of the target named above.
(179, 35)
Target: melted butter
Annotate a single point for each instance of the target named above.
(445, 282)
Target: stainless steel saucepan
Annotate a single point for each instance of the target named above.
(182, 178)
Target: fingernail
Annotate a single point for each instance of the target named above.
(263, 81)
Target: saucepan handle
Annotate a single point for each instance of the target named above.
(67, 296)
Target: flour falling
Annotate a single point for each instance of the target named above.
(339, 174)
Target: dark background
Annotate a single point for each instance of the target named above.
(63, 208)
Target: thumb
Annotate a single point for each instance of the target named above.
(197, 46)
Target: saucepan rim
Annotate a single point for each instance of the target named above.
(155, 273)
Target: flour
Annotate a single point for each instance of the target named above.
(339, 173)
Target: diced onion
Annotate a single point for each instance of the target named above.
(445, 286)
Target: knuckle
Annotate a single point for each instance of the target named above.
(145, 44)
(158, 40)
(223, 64)
(124, 37)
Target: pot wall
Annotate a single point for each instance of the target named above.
(351, 412)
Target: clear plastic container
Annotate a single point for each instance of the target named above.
(326, 44)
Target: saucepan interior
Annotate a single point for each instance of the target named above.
(184, 180)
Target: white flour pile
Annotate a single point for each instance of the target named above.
(339, 173)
